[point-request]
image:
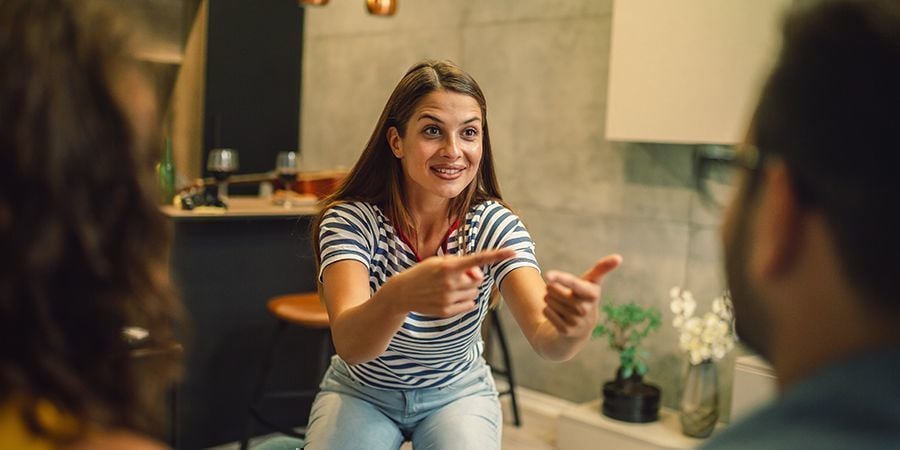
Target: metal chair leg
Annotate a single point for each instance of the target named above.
(173, 416)
(268, 361)
(255, 416)
(507, 364)
(325, 352)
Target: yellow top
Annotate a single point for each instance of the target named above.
(14, 434)
(63, 428)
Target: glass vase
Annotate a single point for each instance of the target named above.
(700, 400)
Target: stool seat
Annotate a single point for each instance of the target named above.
(300, 309)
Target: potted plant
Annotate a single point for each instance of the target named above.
(628, 397)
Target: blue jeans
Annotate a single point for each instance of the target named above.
(348, 415)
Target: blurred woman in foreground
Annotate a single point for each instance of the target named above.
(83, 246)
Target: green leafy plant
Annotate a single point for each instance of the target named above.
(625, 326)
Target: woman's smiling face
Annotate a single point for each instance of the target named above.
(441, 149)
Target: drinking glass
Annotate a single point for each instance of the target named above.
(286, 166)
(221, 163)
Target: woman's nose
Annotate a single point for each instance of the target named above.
(451, 148)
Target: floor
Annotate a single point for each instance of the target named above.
(536, 433)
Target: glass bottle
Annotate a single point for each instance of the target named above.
(166, 175)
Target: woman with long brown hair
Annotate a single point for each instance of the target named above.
(410, 248)
(83, 244)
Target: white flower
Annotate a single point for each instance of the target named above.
(709, 337)
(693, 326)
(689, 306)
(718, 351)
(696, 358)
(689, 303)
(677, 303)
(675, 292)
(705, 352)
(682, 303)
(722, 329)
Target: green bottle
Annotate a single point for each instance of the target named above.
(165, 173)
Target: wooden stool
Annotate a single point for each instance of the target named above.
(304, 310)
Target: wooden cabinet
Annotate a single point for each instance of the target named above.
(689, 71)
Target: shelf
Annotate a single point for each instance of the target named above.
(160, 57)
(584, 427)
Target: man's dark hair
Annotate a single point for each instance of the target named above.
(831, 110)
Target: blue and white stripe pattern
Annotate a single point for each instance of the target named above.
(426, 352)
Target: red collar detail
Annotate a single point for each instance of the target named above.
(444, 241)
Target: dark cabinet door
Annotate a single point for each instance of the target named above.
(226, 269)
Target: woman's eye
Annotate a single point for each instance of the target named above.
(432, 131)
(470, 132)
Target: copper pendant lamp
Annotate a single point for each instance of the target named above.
(382, 7)
(376, 7)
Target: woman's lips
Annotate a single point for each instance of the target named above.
(448, 173)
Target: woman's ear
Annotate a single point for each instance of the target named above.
(393, 138)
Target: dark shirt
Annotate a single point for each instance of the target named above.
(854, 404)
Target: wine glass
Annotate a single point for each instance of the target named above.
(221, 163)
(286, 167)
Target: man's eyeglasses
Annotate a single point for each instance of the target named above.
(716, 169)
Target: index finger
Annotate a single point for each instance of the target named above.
(481, 258)
(602, 267)
(581, 289)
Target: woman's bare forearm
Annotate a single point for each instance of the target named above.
(363, 332)
(551, 345)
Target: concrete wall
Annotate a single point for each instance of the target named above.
(185, 115)
(544, 67)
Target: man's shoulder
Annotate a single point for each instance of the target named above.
(845, 406)
(819, 432)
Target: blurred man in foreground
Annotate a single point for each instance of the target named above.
(812, 238)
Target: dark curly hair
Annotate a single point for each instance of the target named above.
(83, 246)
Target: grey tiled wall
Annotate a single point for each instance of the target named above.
(543, 66)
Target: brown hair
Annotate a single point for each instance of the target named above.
(83, 244)
(377, 176)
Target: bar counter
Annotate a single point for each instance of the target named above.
(244, 208)
(226, 266)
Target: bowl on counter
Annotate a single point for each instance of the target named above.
(321, 183)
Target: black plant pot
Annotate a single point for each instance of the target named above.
(631, 400)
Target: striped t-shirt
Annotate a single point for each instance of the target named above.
(426, 351)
